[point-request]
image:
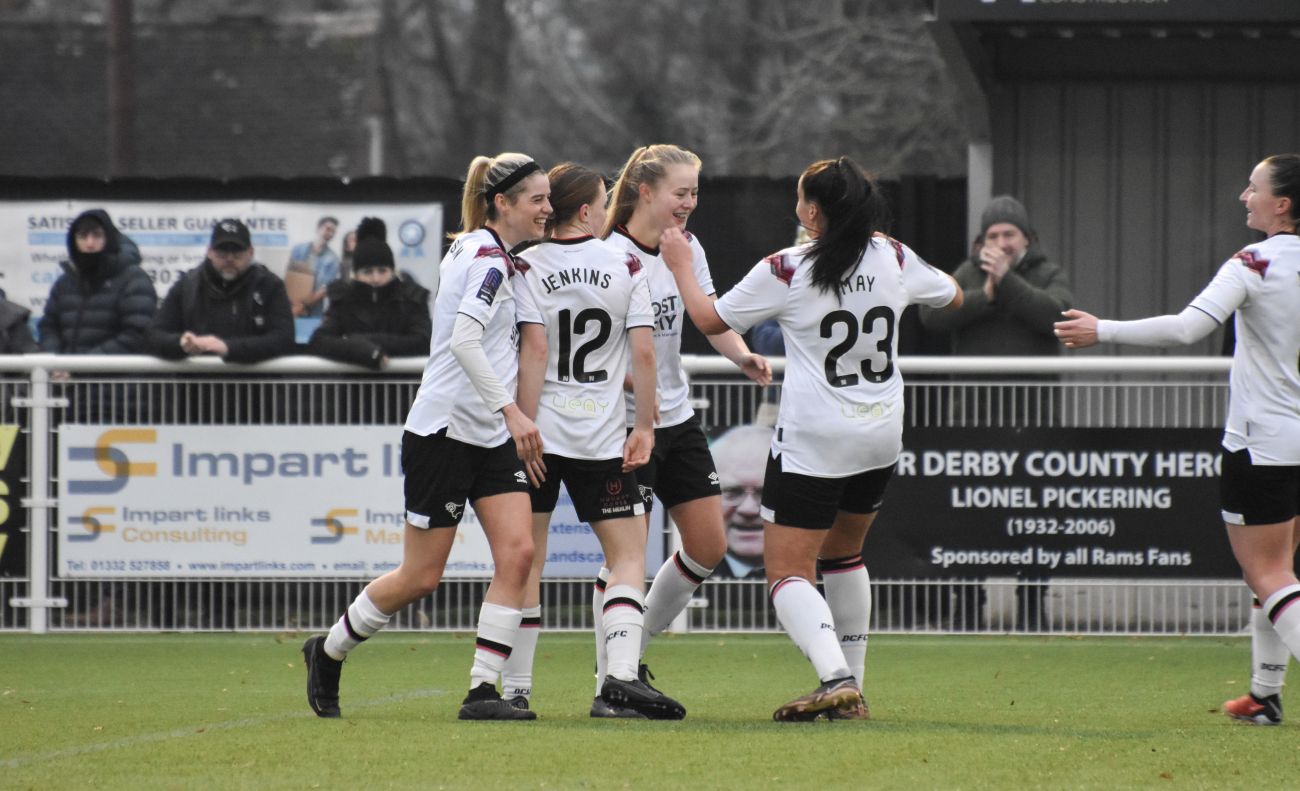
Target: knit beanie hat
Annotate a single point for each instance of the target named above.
(372, 250)
(1005, 208)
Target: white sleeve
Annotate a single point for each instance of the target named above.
(486, 277)
(639, 310)
(761, 295)
(700, 263)
(467, 348)
(1225, 293)
(925, 285)
(1187, 327)
(526, 310)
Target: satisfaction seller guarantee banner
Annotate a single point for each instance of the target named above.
(1053, 502)
(195, 501)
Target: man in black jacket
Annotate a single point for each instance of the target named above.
(103, 302)
(228, 306)
(375, 315)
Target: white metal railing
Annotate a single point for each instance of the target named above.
(945, 391)
(694, 364)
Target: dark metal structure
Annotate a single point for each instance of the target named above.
(1128, 128)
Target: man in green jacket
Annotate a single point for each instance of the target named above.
(1013, 296)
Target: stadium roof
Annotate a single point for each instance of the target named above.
(987, 42)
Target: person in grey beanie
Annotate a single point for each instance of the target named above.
(1013, 295)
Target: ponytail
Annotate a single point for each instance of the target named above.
(485, 174)
(854, 210)
(572, 187)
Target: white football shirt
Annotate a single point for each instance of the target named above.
(474, 279)
(587, 294)
(1262, 284)
(842, 397)
(669, 314)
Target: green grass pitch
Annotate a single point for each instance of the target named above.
(228, 711)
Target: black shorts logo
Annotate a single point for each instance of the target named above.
(454, 509)
(613, 487)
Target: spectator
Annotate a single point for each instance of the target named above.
(228, 306)
(1012, 297)
(15, 333)
(376, 315)
(1013, 293)
(313, 265)
(103, 302)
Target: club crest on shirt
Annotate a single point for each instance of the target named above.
(491, 283)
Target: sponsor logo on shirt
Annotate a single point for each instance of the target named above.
(491, 283)
(583, 406)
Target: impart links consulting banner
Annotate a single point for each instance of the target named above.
(1053, 503)
(195, 501)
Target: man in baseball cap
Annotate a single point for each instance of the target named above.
(231, 233)
(228, 306)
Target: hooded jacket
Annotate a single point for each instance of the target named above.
(1018, 321)
(15, 332)
(104, 302)
(250, 313)
(364, 324)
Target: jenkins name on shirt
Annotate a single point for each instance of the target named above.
(579, 275)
